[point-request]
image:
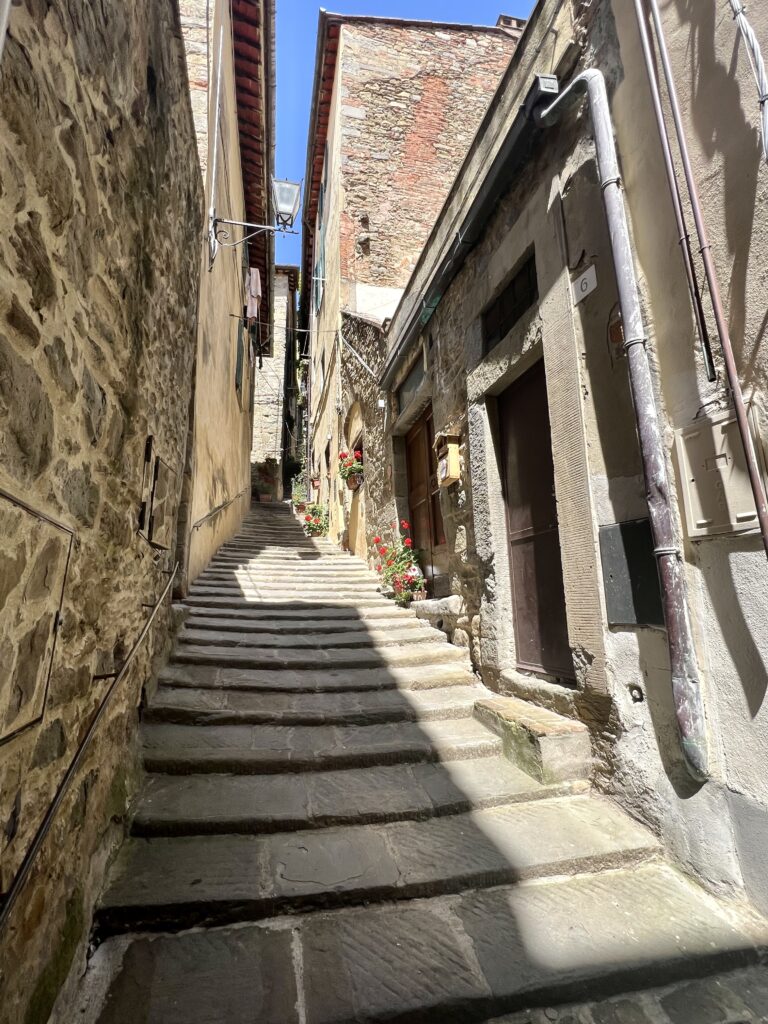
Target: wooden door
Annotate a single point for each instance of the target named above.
(423, 493)
(538, 598)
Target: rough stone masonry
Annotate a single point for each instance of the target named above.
(100, 201)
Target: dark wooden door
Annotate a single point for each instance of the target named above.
(538, 599)
(423, 493)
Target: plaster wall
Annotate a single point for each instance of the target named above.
(101, 202)
(218, 483)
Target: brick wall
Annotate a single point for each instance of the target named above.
(412, 100)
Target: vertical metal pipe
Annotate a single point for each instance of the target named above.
(753, 466)
(5, 10)
(674, 191)
(686, 686)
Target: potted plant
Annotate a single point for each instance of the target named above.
(398, 567)
(315, 520)
(351, 468)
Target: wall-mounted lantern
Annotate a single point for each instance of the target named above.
(286, 198)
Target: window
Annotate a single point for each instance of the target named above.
(516, 298)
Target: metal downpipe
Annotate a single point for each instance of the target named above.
(753, 466)
(674, 191)
(686, 685)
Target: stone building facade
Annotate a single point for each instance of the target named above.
(273, 381)
(395, 106)
(125, 416)
(534, 292)
(239, 93)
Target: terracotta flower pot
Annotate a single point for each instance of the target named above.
(354, 480)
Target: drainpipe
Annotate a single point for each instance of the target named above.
(753, 466)
(686, 686)
(677, 204)
(5, 10)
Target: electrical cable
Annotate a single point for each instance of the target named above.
(757, 63)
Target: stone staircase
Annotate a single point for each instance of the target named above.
(330, 831)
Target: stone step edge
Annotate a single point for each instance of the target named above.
(181, 714)
(437, 676)
(216, 911)
(546, 745)
(146, 826)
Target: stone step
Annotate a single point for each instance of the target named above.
(238, 804)
(183, 882)
(314, 680)
(288, 575)
(202, 707)
(267, 591)
(297, 625)
(269, 749)
(293, 604)
(319, 659)
(456, 958)
(286, 639)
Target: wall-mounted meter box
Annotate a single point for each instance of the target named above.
(716, 492)
(447, 452)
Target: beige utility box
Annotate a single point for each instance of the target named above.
(716, 491)
(447, 452)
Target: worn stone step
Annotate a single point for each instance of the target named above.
(238, 804)
(330, 657)
(291, 601)
(361, 638)
(297, 625)
(249, 560)
(201, 707)
(458, 958)
(259, 575)
(314, 680)
(183, 882)
(251, 749)
(269, 588)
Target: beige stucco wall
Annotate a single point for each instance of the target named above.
(218, 485)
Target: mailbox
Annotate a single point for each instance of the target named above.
(447, 453)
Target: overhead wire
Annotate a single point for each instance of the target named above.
(755, 56)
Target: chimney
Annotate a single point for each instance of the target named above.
(512, 26)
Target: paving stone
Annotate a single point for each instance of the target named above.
(236, 975)
(708, 1001)
(626, 1011)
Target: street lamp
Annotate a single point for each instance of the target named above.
(286, 197)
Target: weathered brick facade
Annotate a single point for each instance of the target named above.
(386, 140)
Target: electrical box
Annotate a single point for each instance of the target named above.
(716, 491)
(630, 574)
(447, 452)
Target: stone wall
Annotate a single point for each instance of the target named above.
(269, 398)
(623, 689)
(101, 203)
(407, 101)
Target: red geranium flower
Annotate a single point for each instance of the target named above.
(358, 455)
(391, 561)
(408, 542)
(378, 568)
(377, 540)
(405, 524)
(307, 519)
(382, 550)
(343, 455)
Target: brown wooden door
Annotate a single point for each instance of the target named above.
(538, 599)
(423, 493)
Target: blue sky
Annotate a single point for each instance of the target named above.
(296, 40)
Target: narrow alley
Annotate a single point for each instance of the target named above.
(383, 512)
(327, 831)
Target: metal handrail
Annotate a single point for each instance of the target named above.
(29, 857)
